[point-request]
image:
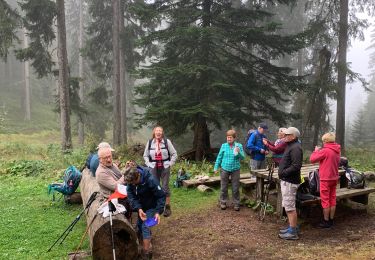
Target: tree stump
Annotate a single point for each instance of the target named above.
(125, 237)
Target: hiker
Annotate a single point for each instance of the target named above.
(108, 175)
(257, 148)
(93, 163)
(147, 198)
(228, 160)
(160, 156)
(328, 158)
(290, 178)
(278, 147)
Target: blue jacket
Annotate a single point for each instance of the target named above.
(255, 143)
(147, 194)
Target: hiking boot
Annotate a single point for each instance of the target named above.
(324, 224)
(167, 210)
(284, 230)
(146, 255)
(223, 206)
(289, 235)
(330, 222)
(237, 208)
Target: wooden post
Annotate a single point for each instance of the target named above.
(125, 238)
(279, 206)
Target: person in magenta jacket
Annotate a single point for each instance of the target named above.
(278, 147)
(328, 158)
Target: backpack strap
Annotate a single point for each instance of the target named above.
(165, 147)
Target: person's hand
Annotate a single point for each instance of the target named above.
(142, 215)
(157, 217)
(216, 172)
(262, 151)
(237, 149)
(265, 141)
(266, 152)
(317, 148)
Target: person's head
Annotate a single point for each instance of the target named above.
(262, 128)
(105, 156)
(231, 136)
(329, 138)
(104, 145)
(291, 134)
(280, 133)
(158, 132)
(132, 175)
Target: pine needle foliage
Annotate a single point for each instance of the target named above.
(216, 65)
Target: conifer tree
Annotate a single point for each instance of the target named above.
(9, 23)
(215, 68)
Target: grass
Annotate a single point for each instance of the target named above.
(30, 222)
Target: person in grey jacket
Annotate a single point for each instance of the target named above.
(159, 156)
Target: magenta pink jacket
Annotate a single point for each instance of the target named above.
(328, 158)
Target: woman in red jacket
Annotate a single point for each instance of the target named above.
(328, 158)
(278, 147)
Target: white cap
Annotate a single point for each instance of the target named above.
(104, 145)
(292, 131)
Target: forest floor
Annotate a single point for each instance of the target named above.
(226, 234)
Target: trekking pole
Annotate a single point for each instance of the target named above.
(70, 227)
(112, 209)
(264, 199)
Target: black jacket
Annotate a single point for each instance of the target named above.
(147, 194)
(291, 163)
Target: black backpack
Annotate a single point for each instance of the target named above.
(248, 151)
(314, 182)
(356, 179)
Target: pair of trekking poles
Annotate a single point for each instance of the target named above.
(265, 194)
(65, 234)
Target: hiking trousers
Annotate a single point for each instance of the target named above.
(224, 180)
(162, 176)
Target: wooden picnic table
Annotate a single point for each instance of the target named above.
(262, 175)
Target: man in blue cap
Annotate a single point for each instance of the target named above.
(257, 148)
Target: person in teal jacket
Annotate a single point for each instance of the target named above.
(228, 160)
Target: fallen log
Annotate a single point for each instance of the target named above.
(125, 237)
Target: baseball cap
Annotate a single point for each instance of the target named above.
(104, 145)
(263, 125)
(292, 131)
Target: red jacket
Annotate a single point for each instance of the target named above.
(328, 158)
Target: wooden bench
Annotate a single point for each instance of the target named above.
(357, 195)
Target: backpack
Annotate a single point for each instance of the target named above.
(356, 179)
(71, 179)
(87, 163)
(314, 182)
(248, 151)
(165, 147)
(181, 176)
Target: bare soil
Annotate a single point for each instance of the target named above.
(226, 234)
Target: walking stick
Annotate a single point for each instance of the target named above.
(70, 227)
(264, 199)
(84, 235)
(112, 209)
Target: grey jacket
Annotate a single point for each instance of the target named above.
(147, 153)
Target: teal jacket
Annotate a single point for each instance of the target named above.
(226, 158)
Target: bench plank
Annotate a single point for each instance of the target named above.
(212, 181)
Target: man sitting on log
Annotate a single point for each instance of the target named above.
(108, 175)
(147, 198)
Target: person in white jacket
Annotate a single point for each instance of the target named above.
(159, 156)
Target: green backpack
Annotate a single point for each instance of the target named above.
(71, 180)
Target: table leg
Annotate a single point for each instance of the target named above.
(260, 189)
(279, 207)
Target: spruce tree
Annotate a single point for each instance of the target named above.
(215, 68)
(9, 23)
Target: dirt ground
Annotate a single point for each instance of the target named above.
(226, 234)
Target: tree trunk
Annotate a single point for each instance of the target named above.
(81, 129)
(27, 103)
(116, 74)
(123, 82)
(300, 62)
(125, 238)
(341, 88)
(66, 141)
(201, 142)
